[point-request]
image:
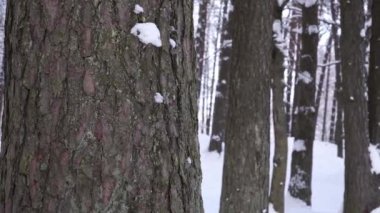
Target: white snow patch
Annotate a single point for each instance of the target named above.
(304, 109)
(173, 44)
(377, 210)
(148, 33)
(305, 77)
(212, 170)
(138, 9)
(374, 154)
(158, 98)
(307, 3)
(189, 161)
(271, 208)
(278, 36)
(313, 29)
(362, 33)
(216, 137)
(299, 145)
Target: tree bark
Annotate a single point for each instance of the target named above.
(200, 38)
(221, 98)
(360, 190)
(294, 54)
(82, 131)
(374, 77)
(327, 90)
(374, 94)
(338, 96)
(279, 116)
(304, 114)
(246, 163)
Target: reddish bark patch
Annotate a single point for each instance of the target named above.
(80, 133)
(99, 130)
(32, 178)
(108, 186)
(89, 84)
(123, 113)
(55, 108)
(64, 158)
(87, 41)
(8, 206)
(51, 9)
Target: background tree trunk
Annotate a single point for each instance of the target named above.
(374, 94)
(359, 188)
(338, 96)
(279, 115)
(294, 55)
(221, 98)
(304, 114)
(246, 162)
(82, 131)
(200, 38)
(374, 77)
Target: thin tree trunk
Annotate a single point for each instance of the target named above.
(294, 56)
(374, 94)
(216, 44)
(325, 110)
(304, 108)
(279, 116)
(360, 190)
(322, 77)
(200, 38)
(338, 96)
(85, 129)
(2, 35)
(374, 77)
(246, 162)
(221, 98)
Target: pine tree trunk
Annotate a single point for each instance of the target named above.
(82, 130)
(246, 162)
(374, 77)
(2, 35)
(325, 69)
(200, 38)
(338, 96)
(279, 117)
(221, 98)
(304, 114)
(360, 190)
(374, 94)
(325, 110)
(294, 55)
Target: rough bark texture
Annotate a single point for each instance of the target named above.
(359, 188)
(294, 53)
(338, 136)
(200, 38)
(374, 94)
(304, 114)
(221, 99)
(374, 76)
(82, 131)
(326, 59)
(279, 119)
(246, 162)
(325, 132)
(2, 32)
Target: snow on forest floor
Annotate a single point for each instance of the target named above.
(327, 182)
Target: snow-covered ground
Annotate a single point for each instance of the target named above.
(327, 182)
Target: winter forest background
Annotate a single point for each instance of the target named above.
(320, 152)
(327, 185)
